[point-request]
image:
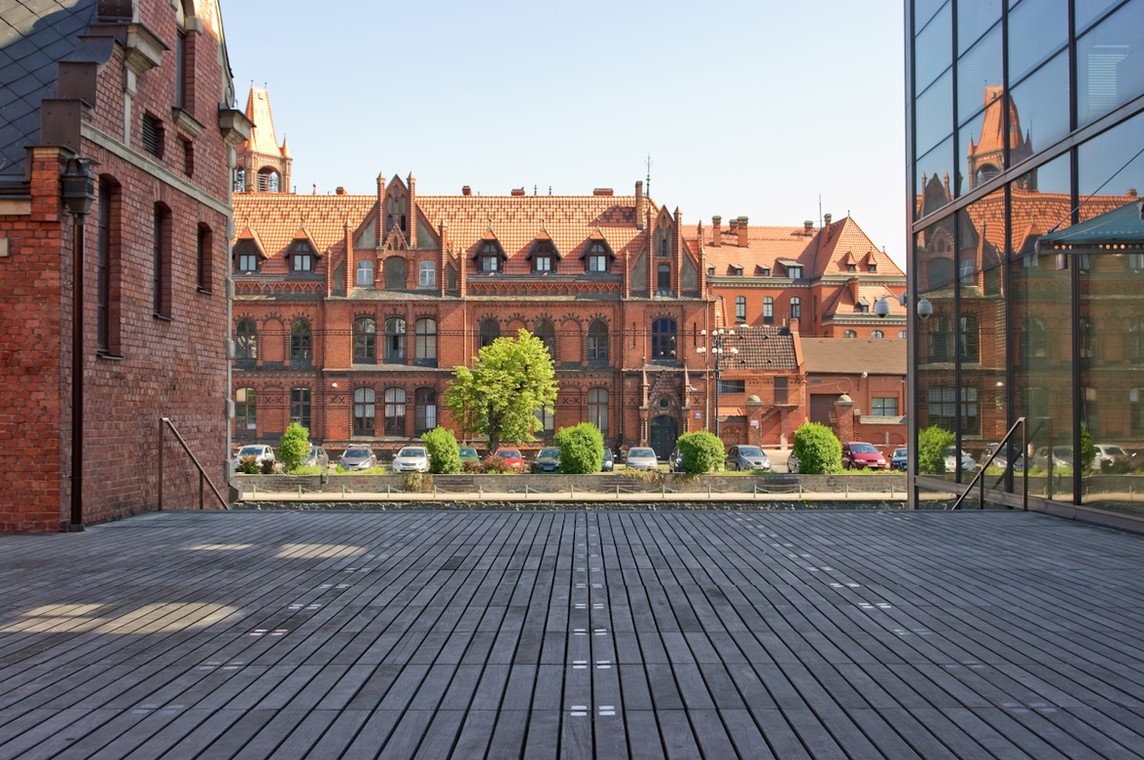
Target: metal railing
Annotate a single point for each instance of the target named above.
(980, 476)
(204, 479)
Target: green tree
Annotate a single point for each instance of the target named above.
(581, 448)
(932, 443)
(1087, 450)
(444, 453)
(817, 449)
(701, 452)
(511, 379)
(293, 447)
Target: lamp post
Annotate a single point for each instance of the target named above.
(77, 191)
(718, 335)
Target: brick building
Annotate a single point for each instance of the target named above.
(136, 96)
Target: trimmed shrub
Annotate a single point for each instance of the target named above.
(818, 450)
(1087, 450)
(444, 453)
(932, 443)
(417, 482)
(497, 465)
(293, 447)
(268, 466)
(248, 466)
(700, 452)
(581, 448)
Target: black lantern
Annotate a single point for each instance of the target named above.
(77, 186)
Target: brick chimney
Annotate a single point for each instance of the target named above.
(466, 191)
(716, 230)
(808, 227)
(518, 192)
(639, 204)
(744, 238)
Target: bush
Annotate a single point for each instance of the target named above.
(581, 448)
(293, 447)
(444, 453)
(818, 450)
(932, 443)
(248, 465)
(268, 466)
(417, 482)
(496, 465)
(1087, 450)
(700, 452)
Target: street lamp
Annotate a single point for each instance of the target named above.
(718, 335)
(77, 191)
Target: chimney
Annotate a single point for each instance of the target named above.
(744, 238)
(466, 191)
(602, 191)
(639, 204)
(340, 191)
(716, 230)
(826, 220)
(518, 192)
(808, 227)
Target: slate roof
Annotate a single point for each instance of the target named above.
(35, 35)
(849, 356)
(764, 347)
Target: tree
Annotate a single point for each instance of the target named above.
(293, 446)
(510, 380)
(581, 448)
(700, 452)
(1087, 450)
(444, 453)
(817, 449)
(932, 443)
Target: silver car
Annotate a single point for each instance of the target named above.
(641, 458)
(358, 458)
(411, 459)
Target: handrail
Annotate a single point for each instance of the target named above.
(980, 476)
(165, 422)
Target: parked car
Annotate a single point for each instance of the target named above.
(609, 463)
(792, 463)
(675, 460)
(1109, 455)
(512, 456)
(1062, 456)
(260, 452)
(953, 456)
(411, 459)
(547, 460)
(641, 458)
(900, 459)
(858, 455)
(746, 458)
(469, 454)
(316, 457)
(358, 458)
(1001, 461)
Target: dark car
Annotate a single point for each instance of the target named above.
(746, 458)
(609, 462)
(547, 460)
(900, 459)
(861, 455)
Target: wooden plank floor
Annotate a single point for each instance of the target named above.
(574, 634)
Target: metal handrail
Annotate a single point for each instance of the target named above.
(165, 422)
(1022, 423)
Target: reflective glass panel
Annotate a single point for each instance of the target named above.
(1037, 28)
(973, 18)
(978, 70)
(933, 177)
(1088, 10)
(1109, 70)
(933, 51)
(1039, 114)
(933, 114)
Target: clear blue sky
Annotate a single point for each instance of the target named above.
(747, 107)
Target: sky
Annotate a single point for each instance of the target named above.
(754, 108)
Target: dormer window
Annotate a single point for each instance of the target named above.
(247, 256)
(490, 258)
(301, 257)
(543, 264)
(871, 267)
(795, 273)
(766, 271)
(544, 258)
(711, 271)
(863, 308)
(598, 258)
(851, 267)
(736, 270)
(248, 263)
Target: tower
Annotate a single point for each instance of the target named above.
(986, 159)
(263, 166)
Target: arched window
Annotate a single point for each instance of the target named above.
(245, 411)
(301, 340)
(426, 274)
(108, 266)
(268, 181)
(395, 411)
(598, 341)
(424, 410)
(849, 334)
(663, 340)
(365, 409)
(426, 341)
(795, 308)
(1034, 338)
(598, 409)
(877, 334)
(768, 310)
(365, 273)
(246, 339)
(395, 340)
(547, 334)
(365, 340)
(394, 273)
(490, 331)
(663, 279)
(300, 406)
(240, 180)
(161, 261)
(740, 308)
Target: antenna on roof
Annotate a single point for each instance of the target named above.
(820, 210)
(647, 184)
(534, 190)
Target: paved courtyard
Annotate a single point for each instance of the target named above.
(573, 634)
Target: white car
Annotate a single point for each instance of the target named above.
(1108, 455)
(641, 458)
(260, 452)
(411, 459)
(952, 457)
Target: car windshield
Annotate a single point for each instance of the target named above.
(901, 452)
(468, 451)
(251, 451)
(1115, 451)
(508, 453)
(863, 448)
(641, 453)
(411, 452)
(356, 453)
(750, 451)
(548, 454)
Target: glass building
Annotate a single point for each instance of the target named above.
(1025, 155)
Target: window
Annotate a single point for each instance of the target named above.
(1135, 262)
(877, 334)
(395, 411)
(203, 247)
(794, 272)
(940, 339)
(863, 307)
(424, 410)
(795, 307)
(426, 274)
(268, 181)
(394, 268)
(542, 263)
(970, 423)
(425, 346)
(849, 334)
(1083, 261)
(365, 273)
(1135, 411)
(547, 423)
(1086, 338)
(184, 58)
(942, 406)
(300, 406)
(782, 395)
(663, 247)
(598, 258)
(732, 386)
(365, 410)
(768, 310)
(240, 180)
(245, 409)
(663, 279)
(740, 308)
(547, 333)
(248, 262)
(967, 272)
(1034, 338)
(152, 135)
(107, 270)
(851, 267)
(395, 340)
(1136, 341)
(884, 406)
(598, 341)
(302, 258)
(1089, 417)
(301, 340)
(598, 409)
(365, 340)
(490, 258)
(490, 331)
(872, 267)
(161, 262)
(663, 340)
(766, 271)
(188, 157)
(246, 339)
(901, 334)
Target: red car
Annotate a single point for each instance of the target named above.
(513, 457)
(859, 455)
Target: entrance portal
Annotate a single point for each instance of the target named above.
(664, 431)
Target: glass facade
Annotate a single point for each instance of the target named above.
(1026, 154)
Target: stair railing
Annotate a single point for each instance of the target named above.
(204, 479)
(979, 478)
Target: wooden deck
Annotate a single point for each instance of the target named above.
(573, 634)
